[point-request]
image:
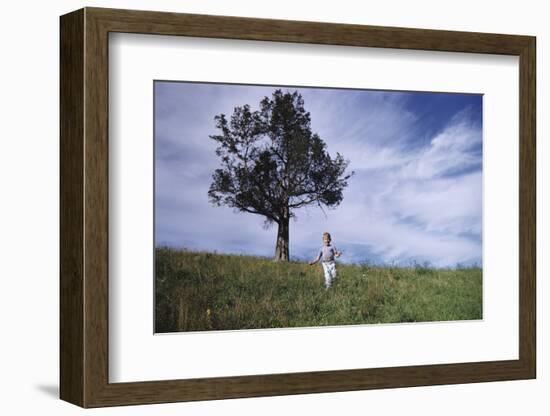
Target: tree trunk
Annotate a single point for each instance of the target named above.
(281, 249)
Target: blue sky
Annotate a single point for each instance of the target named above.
(416, 194)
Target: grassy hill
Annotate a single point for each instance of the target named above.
(198, 291)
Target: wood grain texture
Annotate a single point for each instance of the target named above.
(162, 23)
(71, 208)
(84, 207)
(96, 208)
(528, 207)
(306, 383)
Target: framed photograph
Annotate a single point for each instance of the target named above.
(254, 207)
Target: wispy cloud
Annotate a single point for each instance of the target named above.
(416, 195)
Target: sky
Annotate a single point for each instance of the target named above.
(416, 195)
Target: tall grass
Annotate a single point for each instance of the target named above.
(199, 291)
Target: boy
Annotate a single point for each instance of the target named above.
(327, 253)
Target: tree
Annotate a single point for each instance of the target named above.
(272, 164)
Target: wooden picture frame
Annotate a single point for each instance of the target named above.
(84, 207)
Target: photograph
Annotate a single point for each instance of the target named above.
(281, 206)
(274, 205)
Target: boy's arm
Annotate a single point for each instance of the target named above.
(337, 253)
(311, 263)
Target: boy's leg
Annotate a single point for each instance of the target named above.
(328, 275)
(333, 272)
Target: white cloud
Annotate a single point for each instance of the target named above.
(413, 210)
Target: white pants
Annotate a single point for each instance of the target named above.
(329, 268)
